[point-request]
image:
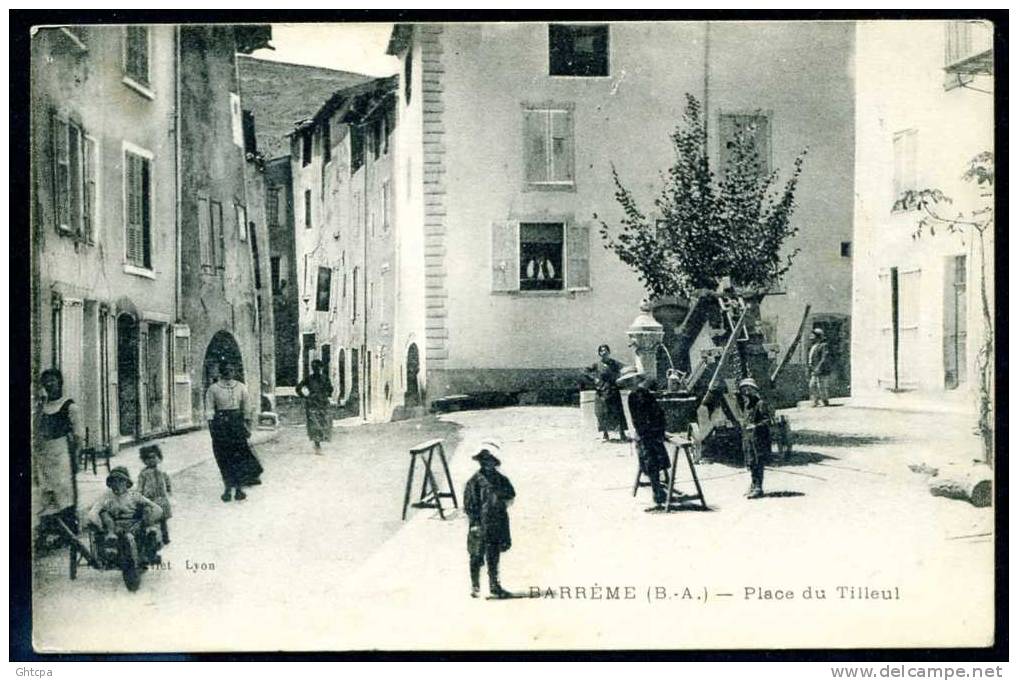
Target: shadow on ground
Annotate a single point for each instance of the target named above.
(819, 438)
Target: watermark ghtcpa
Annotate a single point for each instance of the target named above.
(32, 671)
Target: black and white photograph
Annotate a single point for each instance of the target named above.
(581, 334)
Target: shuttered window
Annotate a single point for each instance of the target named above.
(272, 207)
(138, 211)
(90, 160)
(208, 261)
(505, 272)
(218, 239)
(577, 256)
(75, 157)
(540, 256)
(905, 148)
(240, 213)
(386, 205)
(323, 294)
(548, 147)
(756, 127)
(136, 56)
(61, 174)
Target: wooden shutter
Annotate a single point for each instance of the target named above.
(89, 212)
(71, 355)
(205, 234)
(113, 374)
(561, 146)
(577, 256)
(141, 353)
(241, 212)
(505, 257)
(74, 162)
(146, 211)
(61, 174)
(218, 242)
(134, 231)
(182, 399)
(535, 153)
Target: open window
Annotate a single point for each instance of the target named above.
(540, 256)
(578, 50)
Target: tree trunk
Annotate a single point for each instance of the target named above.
(972, 483)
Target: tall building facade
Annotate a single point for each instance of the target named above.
(924, 110)
(507, 134)
(116, 112)
(278, 95)
(346, 233)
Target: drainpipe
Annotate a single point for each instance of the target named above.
(247, 226)
(364, 223)
(178, 224)
(178, 227)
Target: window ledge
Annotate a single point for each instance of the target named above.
(139, 271)
(140, 88)
(75, 40)
(578, 76)
(564, 293)
(549, 186)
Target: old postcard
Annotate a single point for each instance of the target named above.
(596, 335)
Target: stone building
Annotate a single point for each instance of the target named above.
(278, 95)
(923, 111)
(117, 113)
(346, 232)
(219, 300)
(506, 134)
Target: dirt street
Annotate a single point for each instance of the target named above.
(318, 558)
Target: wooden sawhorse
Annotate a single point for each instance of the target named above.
(640, 476)
(431, 494)
(686, 445)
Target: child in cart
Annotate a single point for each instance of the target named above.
(121, 511)
(154, 485)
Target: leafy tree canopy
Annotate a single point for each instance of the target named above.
(711, 226)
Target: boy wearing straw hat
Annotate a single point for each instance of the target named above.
(819, 364)
(756, 434)
(120, 508)
(486, 499)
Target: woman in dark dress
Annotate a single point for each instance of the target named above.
(608, 405)
(316, 390)
(229, 418)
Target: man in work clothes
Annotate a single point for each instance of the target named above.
(819, 364)
(485, 501)
(649, 423)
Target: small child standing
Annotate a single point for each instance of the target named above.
(154, 485)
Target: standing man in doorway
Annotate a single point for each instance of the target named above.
(819, 364)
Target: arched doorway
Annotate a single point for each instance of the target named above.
(223, 346)
(412, 397)
(128, 402)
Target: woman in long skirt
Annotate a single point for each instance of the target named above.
(57, 437)
(608, 405)
(228, 415)
(316, 390)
